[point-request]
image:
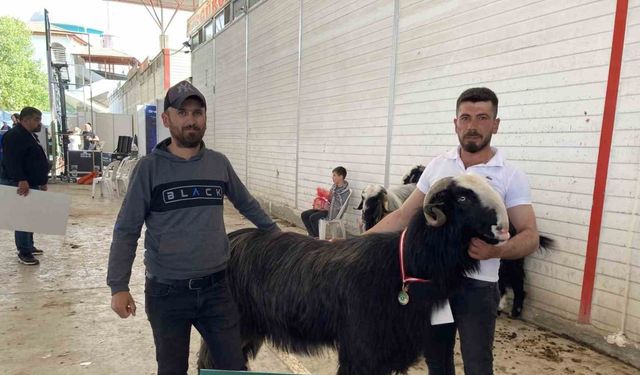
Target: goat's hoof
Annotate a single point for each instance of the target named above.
(516, 312)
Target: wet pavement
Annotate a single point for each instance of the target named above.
(55, 318)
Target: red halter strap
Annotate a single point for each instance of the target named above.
(407, 280)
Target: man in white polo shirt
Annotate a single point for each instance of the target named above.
(473, 309)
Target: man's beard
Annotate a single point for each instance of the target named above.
(187, 139)
(474, 146)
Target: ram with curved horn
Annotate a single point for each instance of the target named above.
(355, 295)
(377, 202)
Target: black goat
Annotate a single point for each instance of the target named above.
(304, 294)
(414, 175)
(512, 276)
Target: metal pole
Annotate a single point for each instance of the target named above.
(52, 98)
(63, 116)
(90, 81)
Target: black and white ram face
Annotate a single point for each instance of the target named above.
(373, 204)
(414, 175)
(470, 202)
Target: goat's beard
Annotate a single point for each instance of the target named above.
(474, 146)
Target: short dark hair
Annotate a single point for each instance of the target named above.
(479, 94)
(340, 171)
(29, 112)
(16, 115)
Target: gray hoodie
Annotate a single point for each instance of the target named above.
(181, 203)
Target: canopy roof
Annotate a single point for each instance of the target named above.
(188, 5)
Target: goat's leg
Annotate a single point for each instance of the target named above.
(346, 367)
(502, 285)
(356, 355)
(250, 349)
(518, 297)
(204, 359)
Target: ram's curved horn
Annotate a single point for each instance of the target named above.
(434, 216)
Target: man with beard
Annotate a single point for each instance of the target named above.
(472, 310)
(25, 165)
(178, 191)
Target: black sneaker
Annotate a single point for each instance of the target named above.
(28, 259)
(37, 251)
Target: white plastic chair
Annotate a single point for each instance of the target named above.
(107, 180)
(124, 172)
(336, 228)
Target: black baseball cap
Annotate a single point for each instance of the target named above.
(179, 92)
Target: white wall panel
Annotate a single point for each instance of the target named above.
(273, 100)
(346, 60)
(548, 62)
(203, 77)
(619, 250)
(179, 67)
(230, 117)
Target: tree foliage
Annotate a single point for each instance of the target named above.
(21, 81)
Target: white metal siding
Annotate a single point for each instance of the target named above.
(620, 237)
(203, 77)
(179, 67)
(346, 57)
(230, 134)
(273, 100)
(548, 62)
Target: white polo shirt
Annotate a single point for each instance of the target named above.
(511, 183)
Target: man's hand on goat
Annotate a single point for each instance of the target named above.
(478, 249)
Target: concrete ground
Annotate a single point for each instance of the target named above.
(56, 317)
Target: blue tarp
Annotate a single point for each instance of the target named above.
(78, 29)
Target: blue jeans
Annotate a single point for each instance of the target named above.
(475, 309)
(173, 309)
(24, 240)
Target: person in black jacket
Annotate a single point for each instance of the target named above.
(25, 165)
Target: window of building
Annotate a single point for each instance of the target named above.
(208, 31)
(59, 53)
(195, 39)
(223, 18)
(238, 8)
(253, 2)
(220, 22)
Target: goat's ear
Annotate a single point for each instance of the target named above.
(378, 214)
(360, 205)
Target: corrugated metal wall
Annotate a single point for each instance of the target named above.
(230, 107)
(145, 87)
(273, 99)
(203, 71)
(619, 255)
(179, 67)
(344, 95)
(378, 80)
(548, 63)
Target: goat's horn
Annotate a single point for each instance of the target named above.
(440, 217)
(429, 209)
